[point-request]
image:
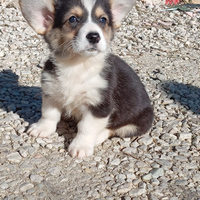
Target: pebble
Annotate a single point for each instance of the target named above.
(157, 172)
(146, 140)
(196, 178)
(184, 136)
(181, 182)
(147, 177)
(155, 181)
(130, 151)
(41, 142)
(26, 186)
(152, 197)
(36, 178)
(4, 186)
(14, 157)
(54, 171)
(23, 153)
(124, 188)
(115, 161)
(137, 192)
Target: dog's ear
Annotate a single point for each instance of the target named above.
(120, 9)
(39, 14)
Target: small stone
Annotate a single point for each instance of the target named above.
(130, 151)
(130, 175)
(115, 161)
(181, 158)
(21, 130)
(141, 164)
(124, 188)
(97, 158)
(23, 153)
(181, 182)
(1, 54)
(54, 171)
(49, 146)
(173, 198)
(184, 136)
(152, 197)
(36, 178)
(155, 181)
(4, 186)
(195, 141)
(126, 198)
(137, 192)
(196, 178)
(26, 186)
(41, 142)
(120, 176)
(147, 177)
(14, 157)
(109, 198)
(155, 165)
(146, 140)
(134, 144)
(164, 162)
(157, 172)
(26, 166)
(19, 198)
(29, 197)
(100, 165)
(47, 140)
(182, 148)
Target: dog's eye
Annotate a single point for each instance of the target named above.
(103, 20)
(73, 19)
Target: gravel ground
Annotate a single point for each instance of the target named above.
(164, 49)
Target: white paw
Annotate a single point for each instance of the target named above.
(43, 128)
(80, 149)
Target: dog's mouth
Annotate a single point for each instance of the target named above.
(92, 49)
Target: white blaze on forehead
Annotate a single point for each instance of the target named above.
(88, 4)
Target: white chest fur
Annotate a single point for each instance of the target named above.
(76, 85)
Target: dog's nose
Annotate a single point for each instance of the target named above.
(93, 37)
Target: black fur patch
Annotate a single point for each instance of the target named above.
(62, 7)
(125, 99)
(50, 68)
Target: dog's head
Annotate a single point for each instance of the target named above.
(82, 27)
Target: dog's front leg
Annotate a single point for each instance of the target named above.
(48, 122)
(89, 128)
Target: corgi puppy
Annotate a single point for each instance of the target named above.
(81, 78)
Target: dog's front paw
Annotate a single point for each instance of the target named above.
(42, 128)
(79, 150)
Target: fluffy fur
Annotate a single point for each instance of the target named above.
(81, 79)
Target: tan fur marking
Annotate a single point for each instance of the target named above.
(99, 12)
(77, 11)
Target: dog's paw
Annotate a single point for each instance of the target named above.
(41, 129)
(79, 150)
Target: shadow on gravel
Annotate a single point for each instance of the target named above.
(23, 100)
(186, 95)
(26, 102)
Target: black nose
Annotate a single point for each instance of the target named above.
(93, 37)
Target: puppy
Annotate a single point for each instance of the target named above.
(81, 79)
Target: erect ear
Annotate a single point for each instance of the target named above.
(120, 9)
(39, 14)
